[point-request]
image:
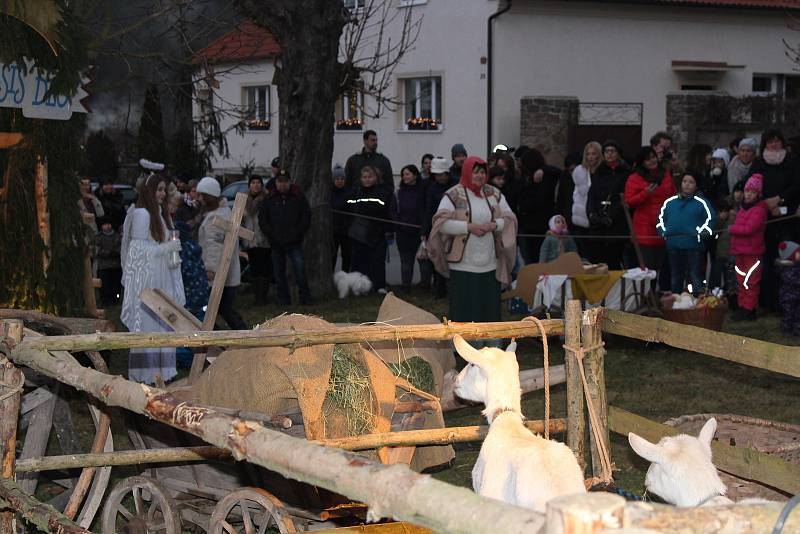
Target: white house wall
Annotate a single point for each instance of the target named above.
(606, 52)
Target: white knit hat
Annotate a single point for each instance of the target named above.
(209, 186)
(439, 165)
(722, 154)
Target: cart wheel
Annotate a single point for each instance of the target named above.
(250, 511)
(140, 505)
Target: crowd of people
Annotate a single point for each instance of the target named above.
(716, 218)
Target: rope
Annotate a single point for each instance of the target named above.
(594, 418)
(546, 375)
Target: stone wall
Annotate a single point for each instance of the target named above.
(545, 124)
(716, 118)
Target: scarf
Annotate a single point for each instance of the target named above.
(774, 157)
(466, 175)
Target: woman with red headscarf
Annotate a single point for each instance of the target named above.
(473, 240)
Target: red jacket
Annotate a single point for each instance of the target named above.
(747, 231)
(646, 206)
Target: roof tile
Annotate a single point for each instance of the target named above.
(246, 42)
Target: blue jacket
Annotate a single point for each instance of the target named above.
(686, 222)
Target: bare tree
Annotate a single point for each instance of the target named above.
(326, 51)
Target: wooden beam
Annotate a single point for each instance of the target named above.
(73, 325)
(576, 421)
(172, 313)
(9, 139)
(294, 338)
(743, 462)
(594, 366)
(225, 224)
(747, 351)
(220, 276)
(436, 436)
(11, 332)
(388, 491)
(44, 516)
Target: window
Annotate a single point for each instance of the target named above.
(350, 111)
(354, 5)
(692, 87)
(762, 84)
(792, 87)
(255, 101)
(410, 3)
(423, 103)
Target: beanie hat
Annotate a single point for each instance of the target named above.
(338, 171)
(787, 249)
(209, 186)
(458, 150)
(722, 154)
(276, 162)
(439, 165)
(612, 142)
(755, 183)
(748, 141)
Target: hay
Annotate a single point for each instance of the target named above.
(349, 390)
(417, 372)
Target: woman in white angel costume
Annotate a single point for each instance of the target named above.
(146, 251)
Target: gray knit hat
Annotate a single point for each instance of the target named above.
(457, 150)
(749, 141)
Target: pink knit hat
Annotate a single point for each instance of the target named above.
(755, 183)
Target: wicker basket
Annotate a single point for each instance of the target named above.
(711, 318)
(770, 437)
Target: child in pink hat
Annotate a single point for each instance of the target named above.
(747, 247)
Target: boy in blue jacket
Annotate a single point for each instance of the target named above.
(686, 220)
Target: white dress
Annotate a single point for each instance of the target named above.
(145, 265)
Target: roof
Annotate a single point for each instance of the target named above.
(245, 42)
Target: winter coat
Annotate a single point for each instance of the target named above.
(212, 240)
(780, 180)
(583, 180)
(410, 207)
(747, 231)
(341, 221)
(647, 206)
(108, 247)
(536, 203)
(715, 188)
(555, 245)
(433, 196)
(359, 160)
(686, 222)
(604, 201)
(376, 201)
(564, 195)
(250, 221)
(113, 206)
(512, 189)
(285, 217)
(193, 272)
(91, 206)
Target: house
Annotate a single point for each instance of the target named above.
(548, 73)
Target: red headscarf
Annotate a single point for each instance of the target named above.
(466, 174)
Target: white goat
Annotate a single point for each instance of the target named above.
(681, 470)
(514, 465)
(354, 282)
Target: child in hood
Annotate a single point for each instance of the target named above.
(747, 247)
(558, 240)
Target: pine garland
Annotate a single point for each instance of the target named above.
(23, 283)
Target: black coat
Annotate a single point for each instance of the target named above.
(536, 202)
(359, 160)
(113, 206)
(285, 218)
(341, 221)
(376, 201)
(433, 196)
(604, 202)
(780, 180)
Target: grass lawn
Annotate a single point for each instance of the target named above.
(652, 380)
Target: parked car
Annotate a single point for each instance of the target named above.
(239, 186)
(128, 193)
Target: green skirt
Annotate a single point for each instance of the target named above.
(474, 297)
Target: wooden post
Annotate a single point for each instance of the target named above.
(576, 422)
(9, 413)
(42, 213)
(221, 274)
(592, 335)
(585, 513)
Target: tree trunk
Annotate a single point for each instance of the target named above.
(308, 80)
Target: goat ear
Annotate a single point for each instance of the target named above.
(512, 347)
(707, 432)
(644, 448)
(467, 351)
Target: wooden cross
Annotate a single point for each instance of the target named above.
(178, 317)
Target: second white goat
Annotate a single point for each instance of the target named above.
(515, 465)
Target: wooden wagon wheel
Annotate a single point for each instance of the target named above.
(250, 511)
(44, 411)
(140, 505)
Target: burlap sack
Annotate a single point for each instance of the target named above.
(438, 354)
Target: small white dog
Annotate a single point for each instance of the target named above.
(355, 283)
